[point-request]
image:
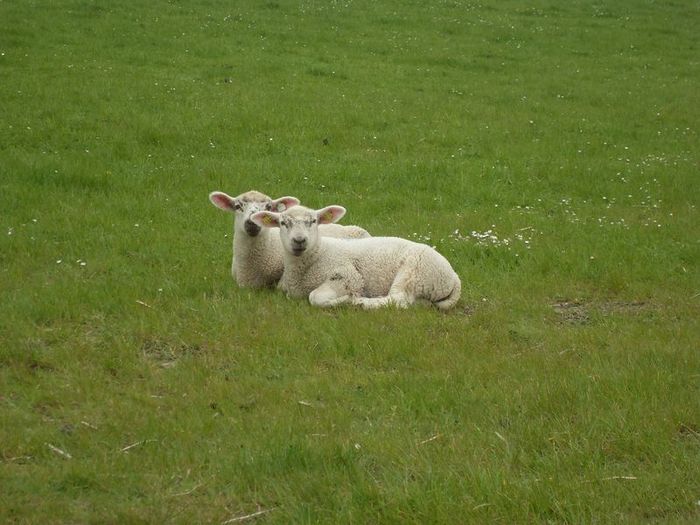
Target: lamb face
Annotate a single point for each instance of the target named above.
(251, 202)
(298, 231)
(299, 226)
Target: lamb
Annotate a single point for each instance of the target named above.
(372, 273)
(257, 253)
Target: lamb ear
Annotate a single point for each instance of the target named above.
(283, 203)
(224, 202)
(330, 214)
(266, 219)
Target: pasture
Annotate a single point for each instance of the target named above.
(550, 151)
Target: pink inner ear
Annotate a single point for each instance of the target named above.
(330, 214)
(284, 203)
(337, 212)
(265, 219)
(223, 201)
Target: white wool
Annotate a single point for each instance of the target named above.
(371, 272)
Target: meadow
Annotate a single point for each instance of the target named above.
(549, 150)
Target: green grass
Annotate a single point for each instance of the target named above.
(550, 151)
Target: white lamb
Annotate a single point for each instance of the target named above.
(257, 253)
(370, 272)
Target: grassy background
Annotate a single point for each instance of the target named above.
(549, 151)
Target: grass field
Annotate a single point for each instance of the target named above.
(550, 151)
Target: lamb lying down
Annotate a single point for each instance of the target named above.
(257, 254)
(371, 272)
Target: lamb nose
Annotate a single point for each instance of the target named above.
(299, 240)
